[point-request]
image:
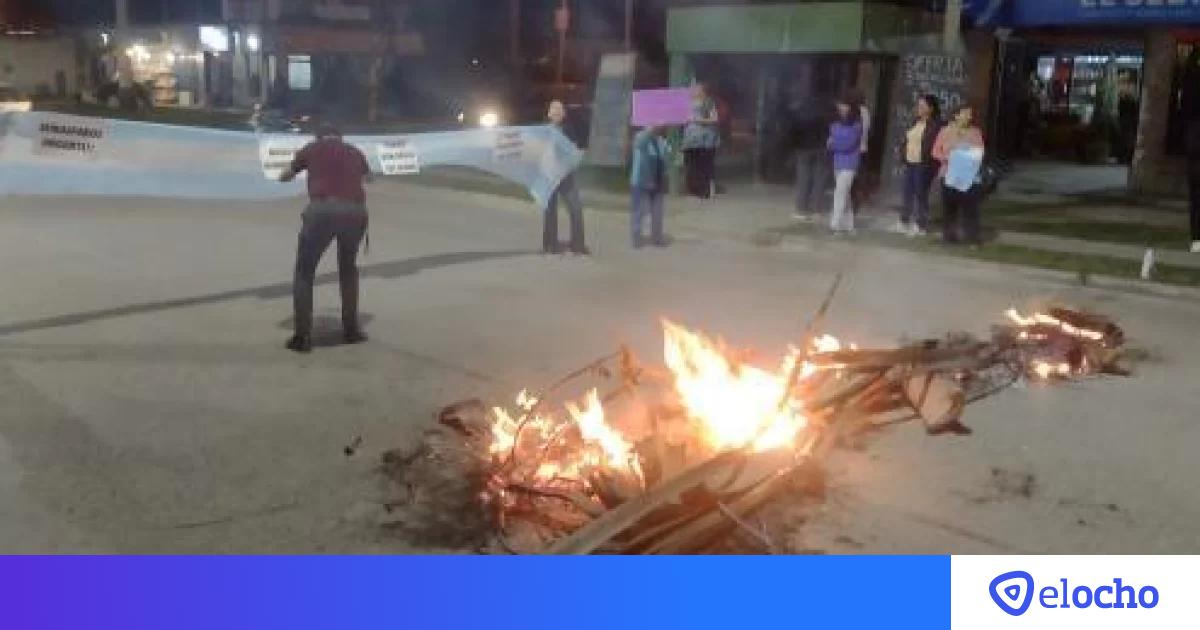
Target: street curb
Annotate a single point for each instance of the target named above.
(605, 202)
(1136, 287)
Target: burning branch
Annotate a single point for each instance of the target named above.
(672, 461)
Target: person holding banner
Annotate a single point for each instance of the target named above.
(959, 148)
(648, 185)
(336, 211)
(568, 193)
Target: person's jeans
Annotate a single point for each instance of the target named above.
(644, 202)
(812, 180)
(917, 179)
(1194, 195)
(568, 192)
(842, 217)
(961, 220)
(699, 169)
(319, 230)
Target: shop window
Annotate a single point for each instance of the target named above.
(300, 72)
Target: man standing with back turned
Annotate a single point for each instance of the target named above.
(336, 210)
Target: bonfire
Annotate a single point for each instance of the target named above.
(620, 457)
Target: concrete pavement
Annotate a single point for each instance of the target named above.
(148, 405)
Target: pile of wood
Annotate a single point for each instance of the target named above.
(678, 497)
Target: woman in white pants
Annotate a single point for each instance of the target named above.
(845, 148)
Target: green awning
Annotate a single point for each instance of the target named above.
(811, 27)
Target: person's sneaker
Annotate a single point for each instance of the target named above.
(1196, 247)
(802, 216)
(299, 343)
(582, 251)
(902, 228)
(354, 336)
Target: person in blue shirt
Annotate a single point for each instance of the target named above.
(647, 185)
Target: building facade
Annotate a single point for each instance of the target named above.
(776, 62)
(1101, 81)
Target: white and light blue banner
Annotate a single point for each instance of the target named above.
(56, 154)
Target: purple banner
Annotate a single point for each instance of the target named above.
(671, 106)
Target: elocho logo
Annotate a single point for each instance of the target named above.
(1014, 592)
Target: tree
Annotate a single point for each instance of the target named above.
(1150, 150)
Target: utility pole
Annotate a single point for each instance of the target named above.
(562, 22)
(514, 31)
(628, 25)
(951, 36)
(120, 49)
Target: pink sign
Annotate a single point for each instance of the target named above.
(662, 107)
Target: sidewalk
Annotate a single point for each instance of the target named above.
(762, 213)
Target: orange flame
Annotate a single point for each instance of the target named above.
(732, 404)
(729, 405)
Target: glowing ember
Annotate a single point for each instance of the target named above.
(1049, 320)
(1046, 369)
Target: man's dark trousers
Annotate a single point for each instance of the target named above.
(325, 221)
(814, 171)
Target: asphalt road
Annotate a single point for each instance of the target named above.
(147, 404)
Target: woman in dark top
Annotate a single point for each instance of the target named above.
(919, 166)
(701, 137)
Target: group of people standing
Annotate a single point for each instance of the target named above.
(930, 146)
(933, 151)
(648, 173)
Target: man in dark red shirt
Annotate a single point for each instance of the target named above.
(336, 210)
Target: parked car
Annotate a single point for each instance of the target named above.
(279, 121)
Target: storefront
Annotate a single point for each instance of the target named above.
(783, 65)
(1095, 81)
(1070, 96)
(187, 65)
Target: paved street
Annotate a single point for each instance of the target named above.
(147, 404)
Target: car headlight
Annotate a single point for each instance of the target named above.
(489, 118)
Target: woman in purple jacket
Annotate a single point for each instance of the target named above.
(845, 146)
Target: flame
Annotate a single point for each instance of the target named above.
(595, 430)
(1050, 320)
(732, 404)
(726, 402)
